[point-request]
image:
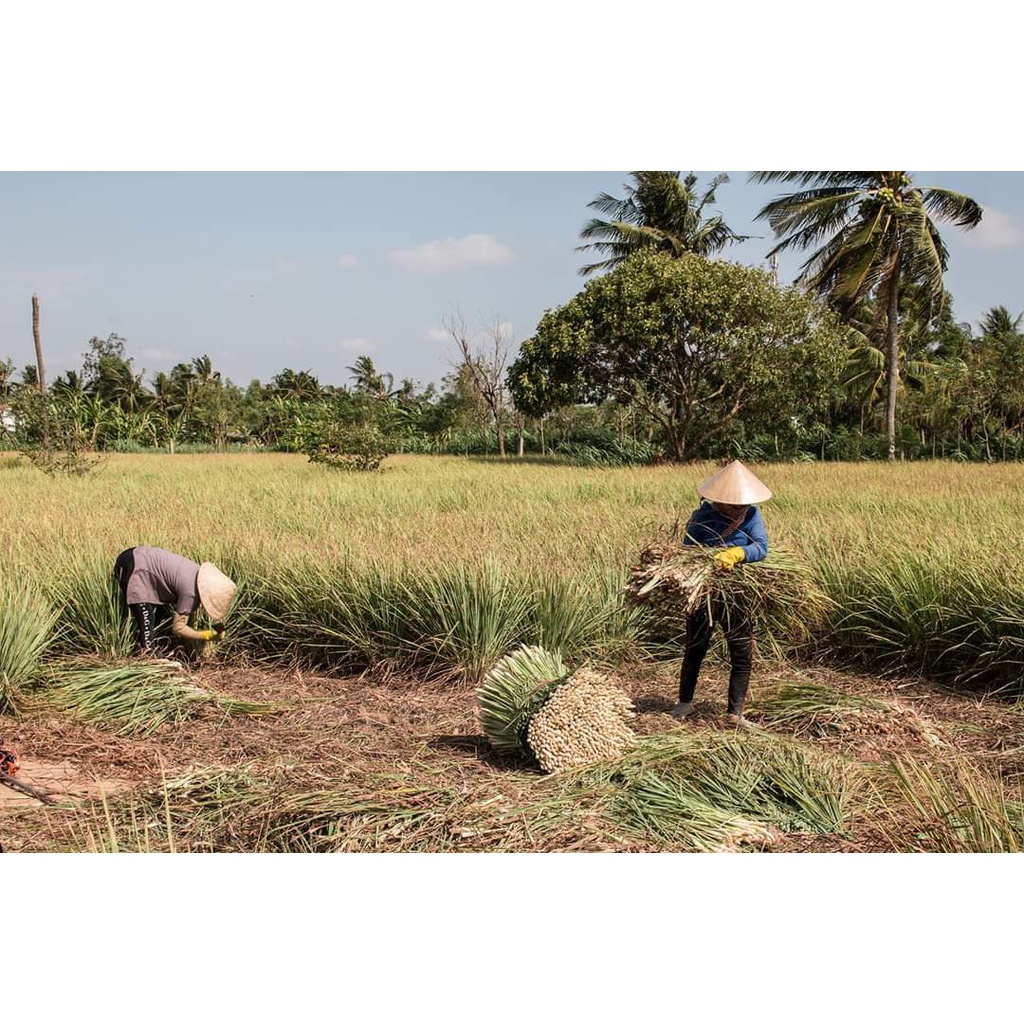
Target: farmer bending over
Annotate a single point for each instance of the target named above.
(727, 518)
(152, 579)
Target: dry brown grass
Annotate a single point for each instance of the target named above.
(357, 765)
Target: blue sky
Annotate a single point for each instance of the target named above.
(265, 270)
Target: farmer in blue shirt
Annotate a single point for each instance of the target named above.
(728, 518)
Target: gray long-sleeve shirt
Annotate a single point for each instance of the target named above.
(162, 577)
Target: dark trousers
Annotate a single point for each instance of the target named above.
(739, 637)
(147, 617)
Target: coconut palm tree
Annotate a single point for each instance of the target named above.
(872, 234)
(368, 381)
(659, 212)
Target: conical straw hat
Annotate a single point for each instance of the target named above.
(215, 591)
(734, 485)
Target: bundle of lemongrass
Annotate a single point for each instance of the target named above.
(779, 593)
(532, 705)
(137, 698)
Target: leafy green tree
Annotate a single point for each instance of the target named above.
(108, 373)
(696, 344)
(872, 233)
(1000, 351)
(301, 385)
(660, 212)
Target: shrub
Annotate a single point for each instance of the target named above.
(349, 447)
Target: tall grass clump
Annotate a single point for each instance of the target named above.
(463, 618)
(453, 621)
(950, 618)
(93, 616)
(386, 619)
(580, 615)
(26, 631)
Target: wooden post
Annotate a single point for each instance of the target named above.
(40, 371)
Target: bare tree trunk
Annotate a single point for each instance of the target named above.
(40, 372)
(893, 368)
(486, 369)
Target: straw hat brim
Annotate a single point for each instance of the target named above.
(215, 591)
(734, 485)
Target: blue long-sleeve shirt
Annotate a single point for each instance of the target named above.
(707, 526)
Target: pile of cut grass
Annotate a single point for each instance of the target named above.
(136, 699)
(812, 709)
(715, 790)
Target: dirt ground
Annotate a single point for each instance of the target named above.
(367, 737)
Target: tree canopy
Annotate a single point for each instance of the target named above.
(692, 342)
(872, 234)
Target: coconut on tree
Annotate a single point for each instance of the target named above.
(873, 234)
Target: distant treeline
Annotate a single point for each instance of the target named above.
(962, 397)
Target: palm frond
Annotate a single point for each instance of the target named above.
(830, 179)
(947, 205)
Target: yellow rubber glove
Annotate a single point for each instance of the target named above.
(207, 634)
(729, 557)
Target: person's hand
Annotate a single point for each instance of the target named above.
(218, 628)
(728, 558)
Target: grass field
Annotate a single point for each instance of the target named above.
(419, 577)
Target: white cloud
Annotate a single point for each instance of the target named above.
(161, 355)
(448, 254)
(346, 262)
(997, 230)
(438, 334)
(357, 346)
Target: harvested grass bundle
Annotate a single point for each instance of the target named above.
(93, 616)
(583, 720)
(672, 579)
(138, 698)
(654, 805)
(513, 691)
(822, 710)
(530, 704)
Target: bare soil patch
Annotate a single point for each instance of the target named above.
(412, 754)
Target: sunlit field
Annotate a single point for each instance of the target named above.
(338, 713)
(919, 558)
(439, 509)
